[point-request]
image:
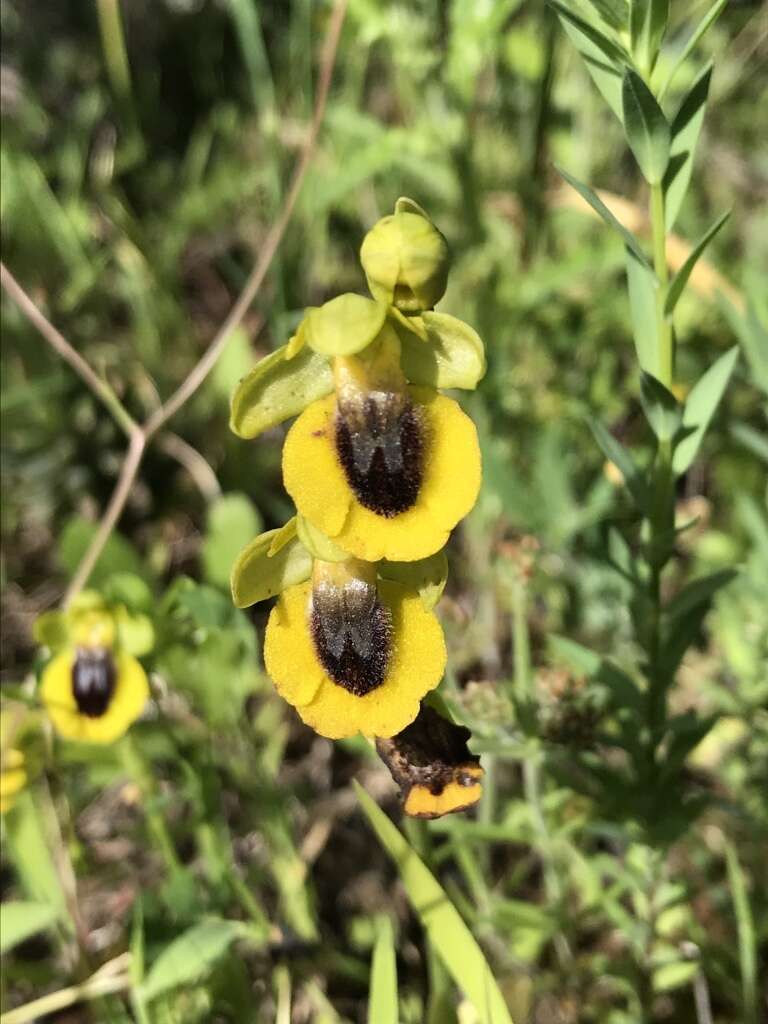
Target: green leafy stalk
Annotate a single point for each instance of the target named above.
(137, 768)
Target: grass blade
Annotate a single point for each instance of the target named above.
(599, 207)
(382, 998)
(447, 931)
(746, 931)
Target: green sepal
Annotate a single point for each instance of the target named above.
(405, 205)
(452, 356)
(135, 632)
(51, 630)
(318, 544)
(283, 536)
(257, 575)
(427, 575)
(345, 325)
(277, 388)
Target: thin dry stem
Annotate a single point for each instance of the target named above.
(139, 436)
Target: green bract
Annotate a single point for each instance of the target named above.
(406, 260)
(257, 574)
(277, 388)
(344, 326)
(451, 357)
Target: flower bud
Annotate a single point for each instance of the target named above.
(406, 261)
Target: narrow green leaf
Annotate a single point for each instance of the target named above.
(613, 12)
(646, 128)
(642, 286)
(745, 926)
(698, 592)
(647, 25)
(257, 575)
(700, 407)
(753, 335)
(382, 997)
(451, 355)
(278, 388)
(616, 453)
(703, 27)
(192, 955)
(684, 131)
(448, 933)
(599, 207)
(662, 409)
(752, 440)
(30, 854)
(20, 919)
(604, 59)
(681, 277)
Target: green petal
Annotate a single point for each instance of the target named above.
(345, 325)
(278, 388)
(257, 576)
(453, 355)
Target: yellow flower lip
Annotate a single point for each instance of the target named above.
(449, 462)
(459, 794)
(91, 697)
(414, 664)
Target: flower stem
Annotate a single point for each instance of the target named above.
(137, 768)
(662, 513)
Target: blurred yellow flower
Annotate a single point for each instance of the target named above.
(13, 777)
(92, 692)
(353, 654)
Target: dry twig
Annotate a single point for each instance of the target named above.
(139, 435)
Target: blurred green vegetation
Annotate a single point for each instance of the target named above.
(134, 203)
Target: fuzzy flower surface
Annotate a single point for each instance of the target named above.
(395, 482)
(353, 655)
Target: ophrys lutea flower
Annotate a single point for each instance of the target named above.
(353, 653)
(92, 690)
(384, 469)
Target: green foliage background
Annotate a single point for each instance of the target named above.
(133, 207)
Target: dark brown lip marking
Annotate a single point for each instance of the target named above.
(352, 634)
(94, 677)
(380, 444)
(429, 753)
